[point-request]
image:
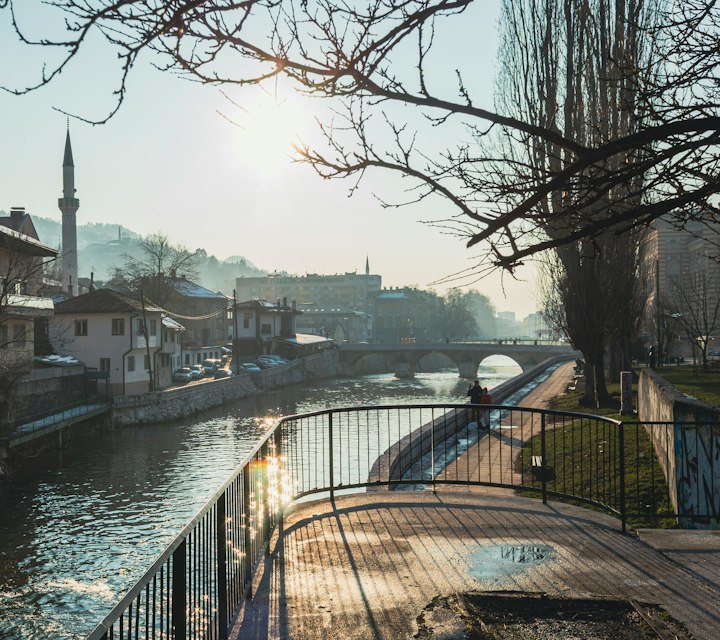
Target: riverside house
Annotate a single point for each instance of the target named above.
(124, 341)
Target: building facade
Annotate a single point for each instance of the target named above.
(683, 285)
(406, 314)
(24, 312)
(351, 292)
(118, 338)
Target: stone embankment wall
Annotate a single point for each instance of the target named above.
(687, 443)
(395, 461)
(44, 389)
(170, 404)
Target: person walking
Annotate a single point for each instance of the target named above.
(475, 392)
(485, 398)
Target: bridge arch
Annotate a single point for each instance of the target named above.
(467, 357)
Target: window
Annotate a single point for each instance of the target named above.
(131, 363)
(19, 334)
(266, 329)
(81, 327)
(140, 327)
(146, 363)
(187, 359)
(118, 326)
(104, 364)
(246, 320)
(153, 327)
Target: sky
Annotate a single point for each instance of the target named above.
(215, 171)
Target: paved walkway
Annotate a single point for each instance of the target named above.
(492, 458)
(373, 565)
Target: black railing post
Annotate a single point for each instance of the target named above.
(265, 488)
(277, 436)
(221, 553)
(621, 462)
(179, 592)
(331, 457)
(249, 561)
(543, 454)
(432, 450)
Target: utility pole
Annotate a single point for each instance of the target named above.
(147, 341)
(236, 360)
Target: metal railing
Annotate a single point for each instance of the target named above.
(41, 420)
(197, 585)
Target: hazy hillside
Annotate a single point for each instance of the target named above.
(103, 247)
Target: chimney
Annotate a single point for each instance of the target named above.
(92, 282)
(284, 301)
(16, 214)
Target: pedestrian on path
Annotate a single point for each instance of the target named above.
(485, 398)
(475, 391)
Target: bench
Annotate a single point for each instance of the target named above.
(537, 469)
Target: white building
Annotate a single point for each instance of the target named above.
(113, 333)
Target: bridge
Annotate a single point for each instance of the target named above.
(467, 356)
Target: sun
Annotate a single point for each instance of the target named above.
(270, 126)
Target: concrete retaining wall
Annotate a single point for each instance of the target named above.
(687, 446)
(161, 406)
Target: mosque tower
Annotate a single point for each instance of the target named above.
(69, 205)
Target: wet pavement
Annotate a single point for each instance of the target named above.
(369, 565)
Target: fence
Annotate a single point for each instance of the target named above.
(196, 587)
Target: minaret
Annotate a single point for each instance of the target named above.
(69, 205)
(367, 265)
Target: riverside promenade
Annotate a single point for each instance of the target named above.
(393, 565)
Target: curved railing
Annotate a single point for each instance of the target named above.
(196, 586)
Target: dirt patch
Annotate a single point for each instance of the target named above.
(509, 616)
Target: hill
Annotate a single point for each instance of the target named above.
(102, 248)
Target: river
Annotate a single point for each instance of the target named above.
(75, 537)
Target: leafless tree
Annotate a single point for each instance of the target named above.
(159, 268)
(667, 162)
(575, 66)
(694, 303)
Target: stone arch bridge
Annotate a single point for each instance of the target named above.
(467, 356)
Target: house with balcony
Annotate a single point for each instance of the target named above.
(130, 346)
(259, 323)
(23, 311)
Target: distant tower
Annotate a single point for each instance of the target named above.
(69, 205)
(367, 265)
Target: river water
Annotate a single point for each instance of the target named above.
(75, 537)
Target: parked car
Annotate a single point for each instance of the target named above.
(266, 364)
(182, 375)
(223, 373)
(250, 367)
(197, 371)
(211, 365)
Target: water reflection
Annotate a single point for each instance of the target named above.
(75, 537)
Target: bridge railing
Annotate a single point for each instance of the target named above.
(196, 587)
(37, 421)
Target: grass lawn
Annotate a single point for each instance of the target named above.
(694, 382)
(583, 456)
